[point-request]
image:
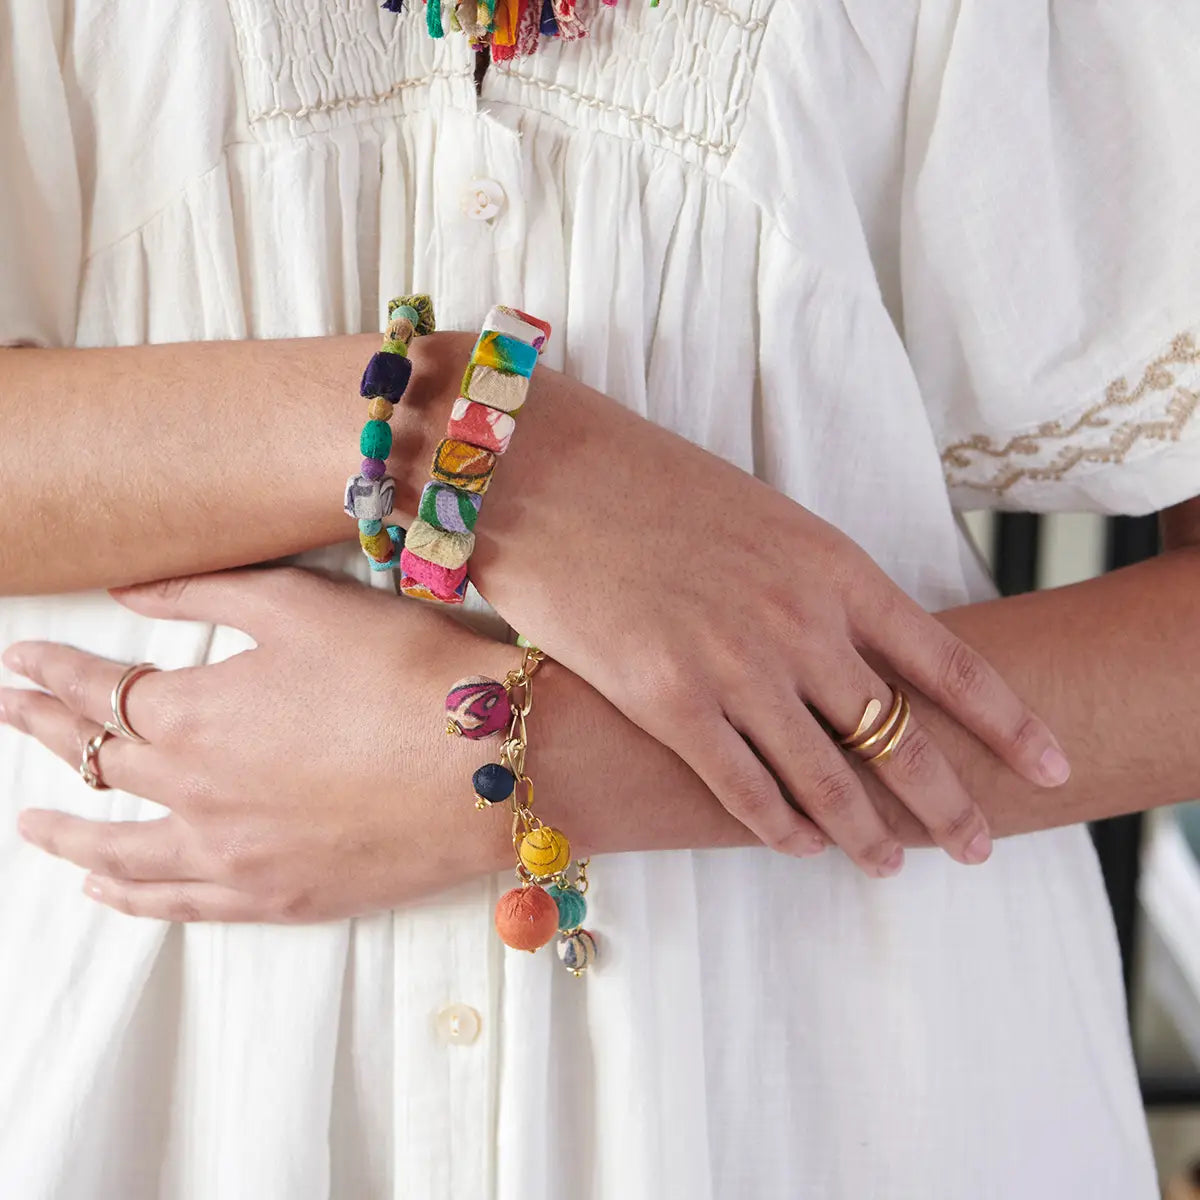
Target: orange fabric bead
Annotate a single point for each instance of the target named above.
(526, 918)
(380, 409)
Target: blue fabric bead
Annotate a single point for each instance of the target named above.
(366, 526)
(493, 783)
(572, 907)
(387, 375)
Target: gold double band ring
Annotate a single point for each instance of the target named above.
(119, 725)
(89, 768)
(886, 735)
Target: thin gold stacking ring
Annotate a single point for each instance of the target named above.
(119, 726)
(886, 735)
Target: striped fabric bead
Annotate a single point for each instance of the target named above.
(445, 507)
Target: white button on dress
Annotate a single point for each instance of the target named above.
(830, 240)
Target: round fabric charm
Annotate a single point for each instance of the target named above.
(493, 783)
(477, 708)
(526, 918)
(572, 906)
(544, 851)
(577, 951)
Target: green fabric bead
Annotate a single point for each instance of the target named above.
(390, 347)
(376, 440)
(572, 907)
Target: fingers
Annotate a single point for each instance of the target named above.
(748, 791)
(180, 902)
(916, 771)
(84, 683)
(965, 685)
(130, 850)
(824, 784)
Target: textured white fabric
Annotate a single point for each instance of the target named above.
(829, 241)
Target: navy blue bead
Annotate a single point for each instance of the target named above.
(493, 783)
(387, 375)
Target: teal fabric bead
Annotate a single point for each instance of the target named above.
(572, 907)
(367, 526)
(376, 440)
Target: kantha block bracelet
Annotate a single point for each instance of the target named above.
(548, 899)
(439, 543)
(371, 493)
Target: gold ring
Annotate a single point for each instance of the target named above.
(879, 759)
(862, 738)
(89, 768)
(119, 726)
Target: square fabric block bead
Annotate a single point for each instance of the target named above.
(463, 466)
(496, 389)
(387, 375)
(369, 499)
(439, 583)
(512, 322)
(505, 354)
(450, 550)
(445, 507)
(485, 427)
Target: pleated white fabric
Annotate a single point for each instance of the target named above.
(767, 225)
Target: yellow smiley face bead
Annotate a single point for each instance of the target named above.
(544, 851)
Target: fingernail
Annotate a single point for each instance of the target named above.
(13, 663)
(815, 847)
(91, 886)
(1054, 768)
(978, 849)
(891, 866)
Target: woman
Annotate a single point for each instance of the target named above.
(727, 214)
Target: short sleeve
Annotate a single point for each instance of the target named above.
(40, 207)
(1051, 250)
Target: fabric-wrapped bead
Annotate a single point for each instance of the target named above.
(435, 545)
(486, 385)
(488, 428)
(493, 783)
(477, 708)
(396, 534)
(373, 468)
(504, 353)
(421, 311)
(572, 906)
(380, 409)
(369, 499)
(577, 951)
(526, 918)
(376, 440)
(377, 545)
(445, 507)
(387, 375)
(443, 582)
(516, 324)
(463, 465)
(420, 591)
(544, 851)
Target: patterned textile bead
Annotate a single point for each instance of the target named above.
(544, 851)
(516, 324)
(463, 465)
(376, 440)
(504, 354)
(374, 468)
(526, 918)
(494, 783)
(485, 427)
(577, 951)
(400, 330)
(377, 545)
(445, 507)
(572, 906)
(450, 550)
(420, 591)
(369, 499)
(387, 375)
(380, 409)
(441, 581)
(486, 385)
(477, 708)
(388, 564)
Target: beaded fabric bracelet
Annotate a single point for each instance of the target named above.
(547, 901)
(370, 494)
(439, 543)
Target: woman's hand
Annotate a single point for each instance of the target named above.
(715, 613)
(308, 779)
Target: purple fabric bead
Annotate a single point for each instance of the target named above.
(374, 468)
(387, 375)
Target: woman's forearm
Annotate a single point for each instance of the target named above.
(1107, 661)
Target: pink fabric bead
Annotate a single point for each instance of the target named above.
(442, 582)
(480, 426)
(373, 468)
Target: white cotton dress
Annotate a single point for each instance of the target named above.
(895, 257)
